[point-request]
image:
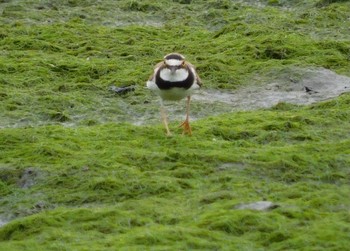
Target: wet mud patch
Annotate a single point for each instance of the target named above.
(297, 86)
(294, 86)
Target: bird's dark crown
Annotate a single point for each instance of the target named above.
(174, 56)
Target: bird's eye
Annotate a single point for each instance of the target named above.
(183, 63)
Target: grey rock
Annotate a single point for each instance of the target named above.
(258, 206)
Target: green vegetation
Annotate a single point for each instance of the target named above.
(75, 174)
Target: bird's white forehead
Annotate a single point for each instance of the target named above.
(173, 62)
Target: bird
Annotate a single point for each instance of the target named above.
(174, 79)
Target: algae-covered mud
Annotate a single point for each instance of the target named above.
(86, 166)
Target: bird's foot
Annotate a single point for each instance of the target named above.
(186, 127)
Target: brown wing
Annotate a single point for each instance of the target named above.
(160, 64)
(199, 81)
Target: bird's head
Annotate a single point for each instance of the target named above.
(174, 62)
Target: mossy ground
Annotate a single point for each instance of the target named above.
(76, 175)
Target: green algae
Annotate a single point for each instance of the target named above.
(141, 190)
(99, 183)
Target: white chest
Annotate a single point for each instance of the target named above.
(178, 75)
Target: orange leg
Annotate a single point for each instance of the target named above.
(164, 118)
(186, 124)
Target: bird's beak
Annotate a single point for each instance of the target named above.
(172, 69)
